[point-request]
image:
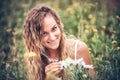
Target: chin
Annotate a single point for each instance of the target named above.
(54, 47)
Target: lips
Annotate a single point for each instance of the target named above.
(52, 43)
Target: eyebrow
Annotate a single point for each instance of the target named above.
(54, 25)
(51, 27)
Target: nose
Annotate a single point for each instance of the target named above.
(52, 36)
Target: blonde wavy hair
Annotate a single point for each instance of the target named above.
(35, 57)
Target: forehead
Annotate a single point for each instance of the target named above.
(48, 22)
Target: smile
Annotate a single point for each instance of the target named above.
(52, 43)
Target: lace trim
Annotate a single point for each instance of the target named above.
(51, 60)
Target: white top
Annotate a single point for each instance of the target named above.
(75, 50)
(69, 60)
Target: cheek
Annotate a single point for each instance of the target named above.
(44, 40)
(58, 33)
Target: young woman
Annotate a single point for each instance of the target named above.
(47, 46)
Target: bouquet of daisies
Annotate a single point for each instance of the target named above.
(76, 69)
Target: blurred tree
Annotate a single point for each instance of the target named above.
(5, 35)
(9, 39)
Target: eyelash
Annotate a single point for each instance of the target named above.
(54, 28)
(44, 34)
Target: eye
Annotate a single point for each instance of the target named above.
(44, 34)
(54, 28)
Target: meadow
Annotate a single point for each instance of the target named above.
(95, 22)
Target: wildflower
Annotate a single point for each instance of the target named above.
(88, 66)
(75, 5)
(93, 20)
(84, 76)
(104, 27)
(117, 17)
(72, 67)
(80, 62)
(114, 42)
(86, 31)
(95, 30)
(118, 48)
(90, 16)
(69, 11)
(30, 54)
(66, 63)
(87, 27)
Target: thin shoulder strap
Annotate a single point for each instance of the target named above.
(75, 50)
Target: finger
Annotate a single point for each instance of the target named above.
(56, 63)
(52, 66)
(57, 73)
(54, 69)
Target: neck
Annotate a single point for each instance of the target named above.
(53, 53)
(53, 56)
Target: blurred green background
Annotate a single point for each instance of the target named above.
(96, 22)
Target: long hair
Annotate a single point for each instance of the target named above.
(35, 58)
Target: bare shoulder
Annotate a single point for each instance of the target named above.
(70, 42)
(83, 52)
(82, 47)
(70, 47)
(80, 43)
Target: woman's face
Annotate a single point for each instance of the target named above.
(51, 34)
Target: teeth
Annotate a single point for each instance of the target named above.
(51, 42)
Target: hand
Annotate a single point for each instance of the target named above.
(53, 68)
